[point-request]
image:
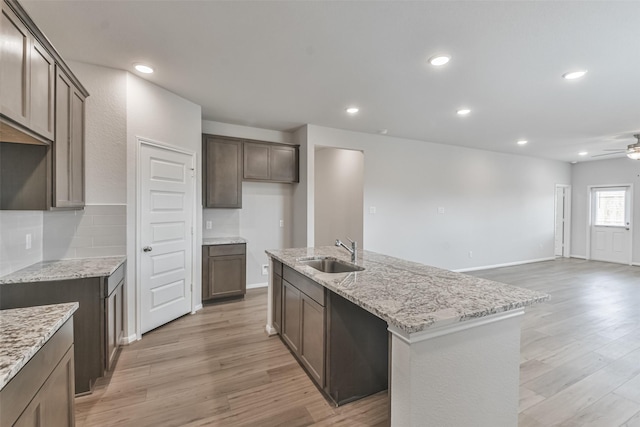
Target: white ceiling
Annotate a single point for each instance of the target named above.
(279, 65)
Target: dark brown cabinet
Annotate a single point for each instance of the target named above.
(27, 77)
(270, 162)
(303, 322)
(42, 393)
(343, 347)
(222, 172)
(68, 147)
(277, 295)
(224, 271)
(93, 324)
(42, 112)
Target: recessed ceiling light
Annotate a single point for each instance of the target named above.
(352, 110)
(583, 153)
(438, 60)
(574, 162)
(383, 131)
(522, 142)
(143, 68)
(572, 75)
(463, 111)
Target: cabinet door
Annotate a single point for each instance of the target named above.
(227, 276)
(291, 298)
(277, 303)
(15, 42)
(256, 161)
(222, 173)
(113, 322)
(42, 88)
(312, 344)
(284, 164)
(68, 146)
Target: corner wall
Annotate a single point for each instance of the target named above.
(263, 206)
(601, 172)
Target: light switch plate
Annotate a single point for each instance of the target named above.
(265, 269)
(208, 225)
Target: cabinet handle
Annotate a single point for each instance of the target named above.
(147, 249)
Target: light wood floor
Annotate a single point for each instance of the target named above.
(580, 363)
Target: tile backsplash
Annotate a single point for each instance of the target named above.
(98, 230)
(14, 228)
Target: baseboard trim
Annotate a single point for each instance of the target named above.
(258, 285)
(508, 264)
(128, 340)
(636, 264)
(197, 308)
(578, 256)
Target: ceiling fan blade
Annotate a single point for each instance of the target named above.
(615, 149)
(608, 154)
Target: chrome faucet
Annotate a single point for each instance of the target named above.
(353, 250)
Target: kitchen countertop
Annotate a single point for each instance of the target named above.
(410, 296)
(24, 331)
(212, 241)
(65, 269)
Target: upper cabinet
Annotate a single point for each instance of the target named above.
(270, 162)
(227, 161)
(42, 114)
(222, 172)
(27, 77)
(68, 150)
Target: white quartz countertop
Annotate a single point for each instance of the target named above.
(65, 269)
(409, 295)
(212, 241)
(23, 331)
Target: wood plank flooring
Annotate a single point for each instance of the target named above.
(580, 363)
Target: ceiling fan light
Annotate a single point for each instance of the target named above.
(634, 155)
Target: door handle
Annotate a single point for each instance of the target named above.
(147, 249)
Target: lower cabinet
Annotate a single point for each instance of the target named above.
(303, 322)
(224, 271)
(42, 393)
(97, 326)
(343, 348)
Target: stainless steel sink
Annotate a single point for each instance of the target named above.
(330, 265)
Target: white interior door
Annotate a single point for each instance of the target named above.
(166, 213)
(611, 224)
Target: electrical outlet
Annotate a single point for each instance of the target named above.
(265, 269)
(470, 254)
(208, 225)
(281, 223)
(27, 243)
(441, 210)
(372, 210)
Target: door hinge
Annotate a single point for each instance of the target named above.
(192, 230)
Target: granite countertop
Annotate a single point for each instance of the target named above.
(23, 331)
(65, 269)
(409, 295)
(211, 241)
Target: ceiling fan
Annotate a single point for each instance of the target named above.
(632, 151)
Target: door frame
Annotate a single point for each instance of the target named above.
(140, 141)
(566, 248)
(590, 189)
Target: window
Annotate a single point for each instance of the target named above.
(610, 208)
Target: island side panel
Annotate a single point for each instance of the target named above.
(269, 327)
(457, 375)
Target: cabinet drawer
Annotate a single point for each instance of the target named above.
(312, 289)
(114, 280)
(221, 250)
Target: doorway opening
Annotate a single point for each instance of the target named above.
(563, 221)
(339, 195)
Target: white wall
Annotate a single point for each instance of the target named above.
(601, 172)
(339, 195)
(263, 206)
(155, 114)
(498, 206)
(14, 226)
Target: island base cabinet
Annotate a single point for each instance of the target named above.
(312, 339)
(291, 298)
(277, 303)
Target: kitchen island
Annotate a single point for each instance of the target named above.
(36, 365)
(455, 339)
